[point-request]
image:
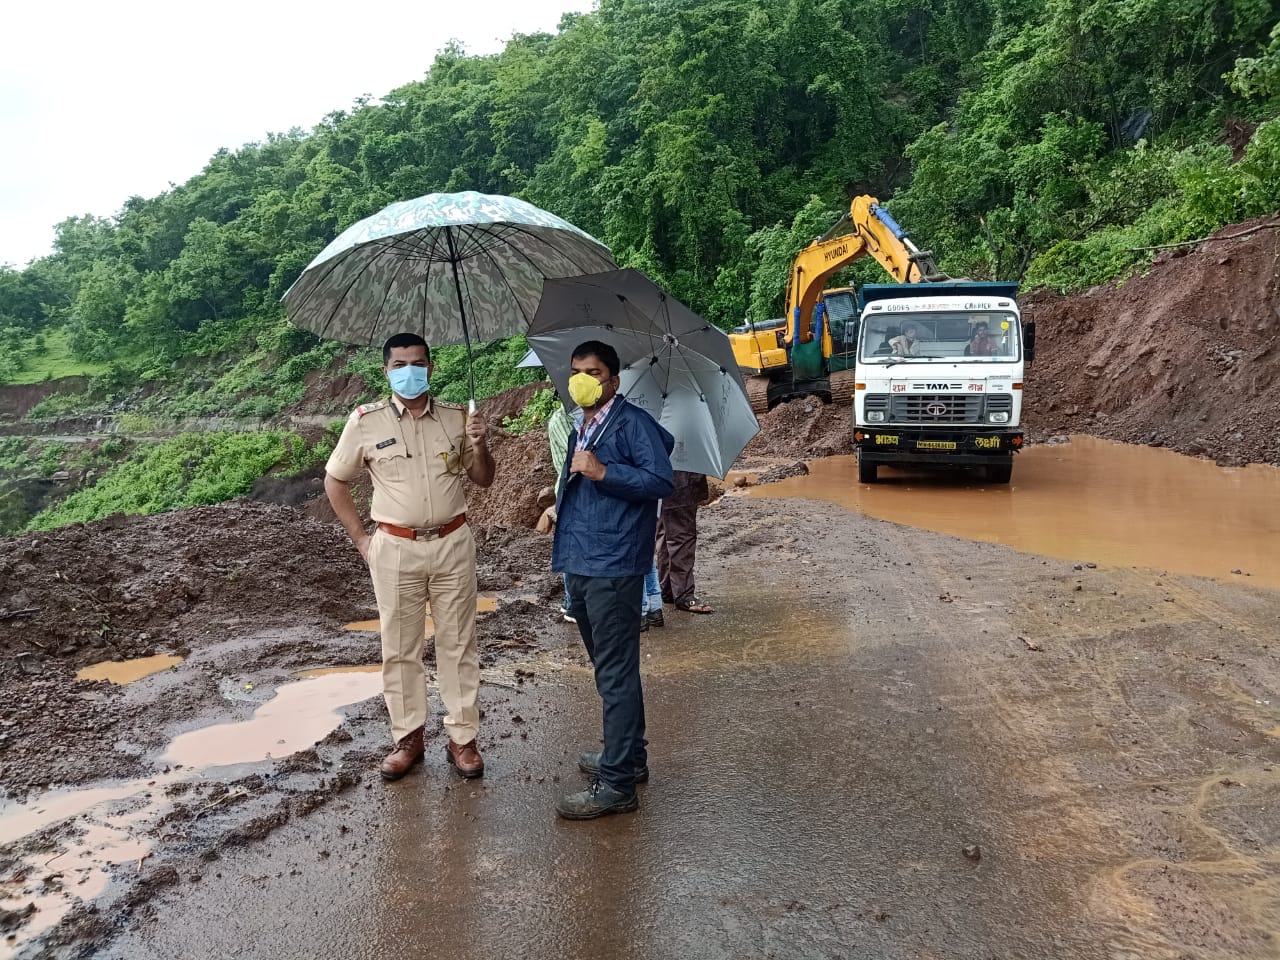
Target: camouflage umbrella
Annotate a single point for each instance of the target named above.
(452, 267)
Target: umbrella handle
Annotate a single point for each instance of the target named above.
(471, 405)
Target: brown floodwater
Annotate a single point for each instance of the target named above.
(127, 671)
(1088, 500)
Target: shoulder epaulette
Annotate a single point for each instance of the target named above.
(370, 407)
(447, 405)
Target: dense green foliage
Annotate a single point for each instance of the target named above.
(535, 413)
(705, 142)
(186, 471)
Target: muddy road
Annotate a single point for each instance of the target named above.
(888, 742)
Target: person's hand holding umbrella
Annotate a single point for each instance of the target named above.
(477, 433)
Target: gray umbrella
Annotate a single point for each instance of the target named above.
(451, 267)
(675, 365)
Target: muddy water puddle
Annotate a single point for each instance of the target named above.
(127, 671)
(329, 671)
(483, 605)
(295, 718)
(108, 820)
(1090, 500)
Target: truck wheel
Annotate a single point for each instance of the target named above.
(866, 471)
(999, 472)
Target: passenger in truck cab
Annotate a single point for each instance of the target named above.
(907, 344)
(981, 343)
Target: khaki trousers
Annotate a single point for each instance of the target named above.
(406, 575)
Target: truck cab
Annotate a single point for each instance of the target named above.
(939, 376)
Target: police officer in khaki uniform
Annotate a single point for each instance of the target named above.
(418, 451)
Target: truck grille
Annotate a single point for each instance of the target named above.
(935, 408)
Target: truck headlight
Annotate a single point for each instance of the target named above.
(875, 416)
(999, 418)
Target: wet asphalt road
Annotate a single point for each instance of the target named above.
(869, 700)
(793, 812)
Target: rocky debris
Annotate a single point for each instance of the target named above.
(802, 428)
(774, 474)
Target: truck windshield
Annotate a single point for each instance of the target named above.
(978, 336)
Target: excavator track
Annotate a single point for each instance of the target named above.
(758, 394)
(842, 387)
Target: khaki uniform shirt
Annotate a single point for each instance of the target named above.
(418, 464)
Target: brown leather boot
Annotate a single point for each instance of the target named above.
(401, 760)
(465, 758)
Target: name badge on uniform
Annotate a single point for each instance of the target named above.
(384, 443)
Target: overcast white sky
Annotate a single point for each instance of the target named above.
(102, 101)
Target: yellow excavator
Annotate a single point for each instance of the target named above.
(806, 351)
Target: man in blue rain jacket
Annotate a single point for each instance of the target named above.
(619, 469)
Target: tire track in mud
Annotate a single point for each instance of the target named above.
(1102, 678)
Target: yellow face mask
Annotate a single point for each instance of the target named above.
(585, 389)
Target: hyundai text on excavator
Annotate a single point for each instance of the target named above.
(934, 366)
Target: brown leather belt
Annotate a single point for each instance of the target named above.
(421, 533)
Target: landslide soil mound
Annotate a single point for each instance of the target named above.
(180, 582)
(1184, 356)
(135, 586)
(800, 429)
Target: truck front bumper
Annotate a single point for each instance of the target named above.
(893, 444)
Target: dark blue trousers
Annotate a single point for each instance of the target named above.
(606, 609)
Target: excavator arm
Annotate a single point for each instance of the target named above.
(873, 233)
(799, 349)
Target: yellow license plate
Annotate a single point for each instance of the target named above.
(935, 444)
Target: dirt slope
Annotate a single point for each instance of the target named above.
(1184, 356)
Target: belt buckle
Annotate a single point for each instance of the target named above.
(426, 533)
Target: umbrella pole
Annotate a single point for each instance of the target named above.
(466, 334)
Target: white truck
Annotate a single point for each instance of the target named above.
(939, 375)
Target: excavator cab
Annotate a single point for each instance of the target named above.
(842, 326)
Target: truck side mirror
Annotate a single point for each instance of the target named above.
(1029, 340)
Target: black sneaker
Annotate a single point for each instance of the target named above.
(654, 618)
(590, 763)
(597, 800)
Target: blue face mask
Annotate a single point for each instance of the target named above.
(409, 382)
